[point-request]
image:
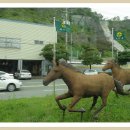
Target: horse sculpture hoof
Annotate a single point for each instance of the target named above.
(63, 107)
(82, 110)
(95, 117)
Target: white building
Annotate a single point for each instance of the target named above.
(21, 43)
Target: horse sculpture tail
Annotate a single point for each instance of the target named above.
(119, 88)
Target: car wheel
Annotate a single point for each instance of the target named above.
(11, 87)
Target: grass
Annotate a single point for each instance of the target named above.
(45, 109)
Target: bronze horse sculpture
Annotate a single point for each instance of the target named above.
(80, 86)
(119, 74)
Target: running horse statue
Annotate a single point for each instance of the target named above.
(80, 86)
(119, 74)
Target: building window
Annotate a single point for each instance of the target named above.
(7, 42)
(38, 42)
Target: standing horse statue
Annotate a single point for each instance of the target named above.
(119, 74)
(80, 86)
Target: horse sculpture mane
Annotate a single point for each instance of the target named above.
(114, 63)
(68, 65)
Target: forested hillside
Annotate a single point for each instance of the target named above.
(85, 23)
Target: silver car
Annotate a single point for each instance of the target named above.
(9, 84)
(23, 74)
(6, 75)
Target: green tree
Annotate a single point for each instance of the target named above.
(61, 52)
(123, 57)
(90, 55)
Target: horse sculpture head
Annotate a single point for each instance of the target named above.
(109, 65)
(54, 74)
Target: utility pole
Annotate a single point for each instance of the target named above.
(112, 42)
(54, 45)
(54, 50)
(71, 48)
(66, 34)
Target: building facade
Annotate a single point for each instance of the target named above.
(21, 44)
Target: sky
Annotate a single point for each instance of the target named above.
(111, 10)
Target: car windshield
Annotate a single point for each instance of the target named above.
(2, 72)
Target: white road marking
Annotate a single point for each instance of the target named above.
(55, 90)
(30, 86)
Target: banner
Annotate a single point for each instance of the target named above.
(62, 27)
(118, 35)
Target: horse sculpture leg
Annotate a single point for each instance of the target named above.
(115, 91)
(94, 102)
(60, 97)
(75, 99)
(62, 107)
(119, 87)
(104, 102)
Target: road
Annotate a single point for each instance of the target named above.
(34, 88)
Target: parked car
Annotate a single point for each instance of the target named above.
(9, 84)
(6, 75)
(90, 72)
(23, 74)
(97, 71)
(107, 71)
